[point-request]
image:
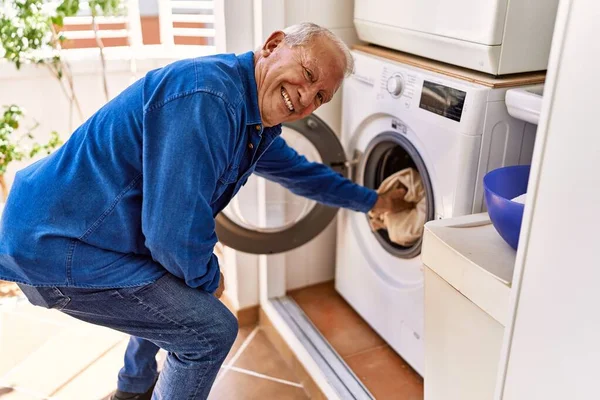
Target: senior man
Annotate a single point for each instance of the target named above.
(117, 227)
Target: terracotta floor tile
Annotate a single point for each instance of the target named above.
(343, 328)
(386, 375)
(19, 337)
(242, 335)
(260, 356)
(239, 386)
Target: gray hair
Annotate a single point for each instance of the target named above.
(304, 32)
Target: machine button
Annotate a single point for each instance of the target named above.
(395, 85)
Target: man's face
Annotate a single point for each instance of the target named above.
(295, 81)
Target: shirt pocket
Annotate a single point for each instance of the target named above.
(227, 178)
(230, 175)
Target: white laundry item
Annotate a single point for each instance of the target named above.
(404, 227)
(520, 199)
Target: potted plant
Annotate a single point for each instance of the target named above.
(17, 143)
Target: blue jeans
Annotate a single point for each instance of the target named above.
(192, 325)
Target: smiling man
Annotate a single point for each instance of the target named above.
(117, 227)
(303, 75)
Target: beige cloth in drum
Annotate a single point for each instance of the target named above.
(404, 227)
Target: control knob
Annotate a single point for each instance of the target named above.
(395, 85)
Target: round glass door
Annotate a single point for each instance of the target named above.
(264, 217)
(388, 153)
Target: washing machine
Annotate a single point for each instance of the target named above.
(452, 131)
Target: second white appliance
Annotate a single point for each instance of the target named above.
(494, 36)
(467, 295)
(452, 131)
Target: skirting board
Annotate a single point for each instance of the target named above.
(245, 316)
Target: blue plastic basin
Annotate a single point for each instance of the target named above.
(500, 186)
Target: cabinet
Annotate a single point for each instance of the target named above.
(468, 270)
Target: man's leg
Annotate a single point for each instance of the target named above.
(192, 325)
(140, 370)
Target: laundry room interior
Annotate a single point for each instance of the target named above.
(477, 283)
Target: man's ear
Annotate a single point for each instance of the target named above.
(274, 40)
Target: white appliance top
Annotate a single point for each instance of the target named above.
(453, 71)
(469, 20)
(470, 255)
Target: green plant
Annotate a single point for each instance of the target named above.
(106, 8)
(17, 142)
(30, 33)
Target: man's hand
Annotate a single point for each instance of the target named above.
(221, 287)
(392, 201)
(219, 253)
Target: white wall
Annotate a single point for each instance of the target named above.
(239, 25)
(554, 349)
(335, 15)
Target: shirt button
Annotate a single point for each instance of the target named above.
(258, 127)
(250, 146)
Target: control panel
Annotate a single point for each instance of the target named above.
(399, 85)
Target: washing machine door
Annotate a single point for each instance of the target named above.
(265, 218)
(387, 153)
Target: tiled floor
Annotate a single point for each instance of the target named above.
(45, 354)
(381, 370)
(254, 370)
(48, 355)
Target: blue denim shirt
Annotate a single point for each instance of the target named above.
(134, 191)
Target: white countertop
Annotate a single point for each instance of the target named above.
(470, 255)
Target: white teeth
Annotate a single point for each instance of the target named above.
(287, 100)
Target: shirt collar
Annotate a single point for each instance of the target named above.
(246, 62)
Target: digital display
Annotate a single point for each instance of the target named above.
(442, 100)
